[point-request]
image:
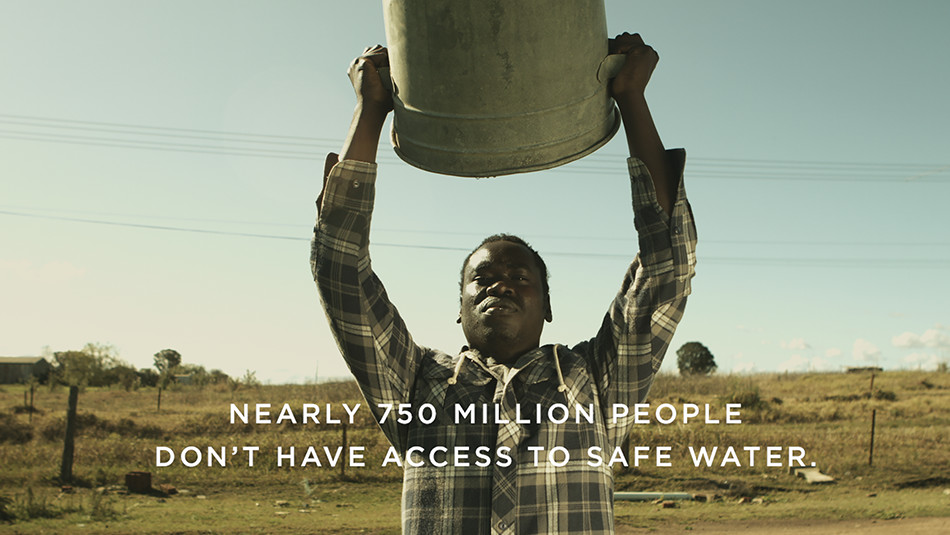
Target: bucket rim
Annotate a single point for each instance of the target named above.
(614, 127)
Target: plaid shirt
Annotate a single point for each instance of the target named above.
(503, 490)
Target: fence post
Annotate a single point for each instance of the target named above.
(871, 449)
(32, 408)
(66, 468)
(344, 458)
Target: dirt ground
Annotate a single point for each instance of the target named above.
(906, 526)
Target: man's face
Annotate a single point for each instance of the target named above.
(504, 306)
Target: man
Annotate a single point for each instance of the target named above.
(509, 427)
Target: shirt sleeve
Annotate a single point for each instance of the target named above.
(371, 335)
(638, 328)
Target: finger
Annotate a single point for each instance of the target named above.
(379, 60)
(625, 36)
(366, 64)
(624, 42)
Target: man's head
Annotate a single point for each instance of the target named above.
(504, 297)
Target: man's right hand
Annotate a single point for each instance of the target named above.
(373, 104)
(364, 75)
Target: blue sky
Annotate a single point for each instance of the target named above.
(159, 162)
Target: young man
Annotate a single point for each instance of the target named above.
(517, 428)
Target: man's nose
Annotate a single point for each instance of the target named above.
(500, 288)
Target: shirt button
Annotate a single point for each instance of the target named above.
(356, 184)
(503, 525)
(677, 229)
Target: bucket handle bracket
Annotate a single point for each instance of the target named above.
(610, 66)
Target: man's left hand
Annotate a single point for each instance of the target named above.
(635, 74)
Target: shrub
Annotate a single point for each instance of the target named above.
(13, 431)
(693, 358)
(885, 395)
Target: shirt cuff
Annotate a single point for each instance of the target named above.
(349, 183)
(667, 241)
(644, 191)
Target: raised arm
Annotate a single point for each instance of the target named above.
(643, 140)
(638, 328)
(372, 337)
(373, 104)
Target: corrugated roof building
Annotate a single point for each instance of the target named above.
(20, 369)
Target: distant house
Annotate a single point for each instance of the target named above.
(20, 369)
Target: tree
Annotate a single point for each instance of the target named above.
(217, 377)
(250, 379)
(167, 360)
(125, 376)
(77, 368)
(89, 367)
(693, 358)
(147, 377)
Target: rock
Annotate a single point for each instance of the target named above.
(168, 489)
(744, 499)
(813, 476)
(758, 500)
(140, 482)
(282, 503)
(669, 504)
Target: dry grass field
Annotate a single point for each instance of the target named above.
(827, 415)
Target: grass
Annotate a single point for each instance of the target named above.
(826, 414)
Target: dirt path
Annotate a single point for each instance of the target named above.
(906, 526)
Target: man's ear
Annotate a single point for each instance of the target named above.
(459, 319)
(548, 316)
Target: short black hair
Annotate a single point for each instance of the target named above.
(513, 239)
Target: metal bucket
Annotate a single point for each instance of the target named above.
(495, 87)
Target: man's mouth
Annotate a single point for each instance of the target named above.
(495, 304)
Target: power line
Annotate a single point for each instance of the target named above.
(154, 227)
(31, 212)
(307, 143)
(876, 262)
(131, 143)
(24, 209)
(385, 158)
(163, 128)
(601, 164)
